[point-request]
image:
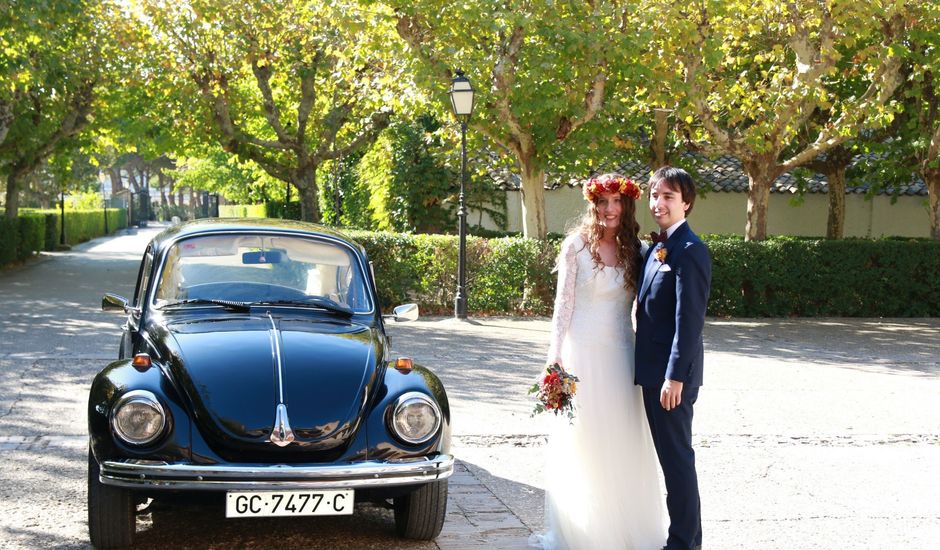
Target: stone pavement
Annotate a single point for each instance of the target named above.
(810, 433)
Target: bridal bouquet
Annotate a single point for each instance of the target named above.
(555, 391)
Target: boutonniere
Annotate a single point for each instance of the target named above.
(660, 254)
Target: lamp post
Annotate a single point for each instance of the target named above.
(62, 225)
(461, 99)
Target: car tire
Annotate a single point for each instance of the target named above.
(420, 514)
(111, 511)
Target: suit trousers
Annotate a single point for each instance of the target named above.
(672, 437)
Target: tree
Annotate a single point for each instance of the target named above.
(287, 84)
(913, 147)
(922, 104)
(216, 171)
(756, 73)
(541, 71)
(53, 60)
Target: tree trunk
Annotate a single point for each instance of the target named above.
(192, 203)
(306, 183)
(658, 144)
(761, 173)
(13, 197)
(134, 185)
(534, 224)
(835, 226)
(932, 179)
(117, 183)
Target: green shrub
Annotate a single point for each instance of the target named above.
(280, 209)
(165, 212)
(504, 276)
(779, 277)
(32, 237)
(242, 211)
(80, 225)
(9, 240)
(20, 238)
(787, 276)
(51, 231)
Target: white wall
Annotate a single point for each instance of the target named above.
(721, 212)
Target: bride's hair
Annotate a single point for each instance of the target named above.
(591, 227)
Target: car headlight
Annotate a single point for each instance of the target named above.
(416, 418)
(138, 417)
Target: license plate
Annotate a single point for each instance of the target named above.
(241, 504)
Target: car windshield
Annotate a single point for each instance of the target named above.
(249, 269)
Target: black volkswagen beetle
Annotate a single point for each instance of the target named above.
(254, 362)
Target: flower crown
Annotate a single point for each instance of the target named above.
(598, 185)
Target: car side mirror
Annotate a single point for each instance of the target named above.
(405, 312)
(113, 302)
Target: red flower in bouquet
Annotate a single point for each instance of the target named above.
(555, 391)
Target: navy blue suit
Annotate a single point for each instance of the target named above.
(670, 316)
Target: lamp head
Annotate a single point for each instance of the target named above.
(461, 96)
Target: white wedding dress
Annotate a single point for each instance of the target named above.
(602, 486)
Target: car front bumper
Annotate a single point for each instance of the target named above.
(146, 474)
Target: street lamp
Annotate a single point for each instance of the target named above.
(461, 99)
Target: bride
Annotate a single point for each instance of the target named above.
(602, 484)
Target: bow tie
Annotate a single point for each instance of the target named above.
(657, 238)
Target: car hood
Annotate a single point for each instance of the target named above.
(229, 371)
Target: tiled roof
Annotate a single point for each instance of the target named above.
(725, 174)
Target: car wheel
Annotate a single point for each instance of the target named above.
(420, 514)
(111, 521)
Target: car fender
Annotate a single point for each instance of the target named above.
(382, 444)
(109, 385)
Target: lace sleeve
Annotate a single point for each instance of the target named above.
(564, 298)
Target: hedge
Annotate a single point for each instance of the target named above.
(787, 276)
(242, 211)
(510, 275)
(80, 225)
(20, 238)
(779, 277)
(35, 230)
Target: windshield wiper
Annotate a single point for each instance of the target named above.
(314, 301)
(227, 304)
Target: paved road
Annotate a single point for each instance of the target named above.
(810, 433)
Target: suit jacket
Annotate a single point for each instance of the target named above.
(670, 315)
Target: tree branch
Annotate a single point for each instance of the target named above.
(933, 150)
(592, 104)
(332, 123)
(6, 114)
(811, 64)
(693, 64)
(379, 122)
(308, 97)
(223, 116)
(72, 123)
(504, 77)
(884, 82)
(263, 78)
(414, 34)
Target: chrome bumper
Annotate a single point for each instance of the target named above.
(139, 474)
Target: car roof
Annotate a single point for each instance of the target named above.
(210, 226)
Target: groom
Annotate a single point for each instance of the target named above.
(674, 282)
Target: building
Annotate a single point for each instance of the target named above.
(722, 208)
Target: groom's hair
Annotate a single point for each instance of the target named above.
(676, 179)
